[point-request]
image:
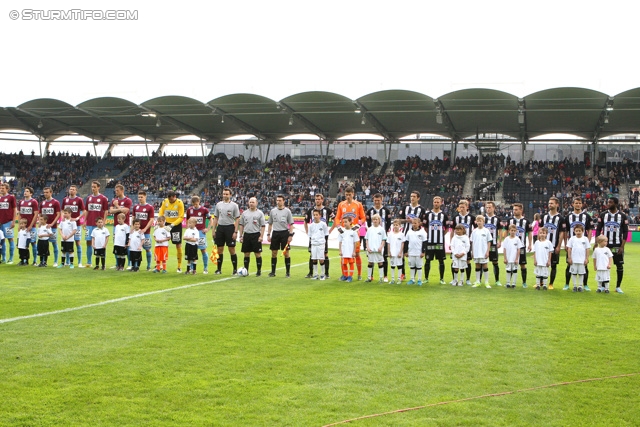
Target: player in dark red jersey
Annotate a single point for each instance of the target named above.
(29, 210)
(97, 206)
(146, 214)
(201, 215)
(8, 212)
(76, 204)
(51, 208)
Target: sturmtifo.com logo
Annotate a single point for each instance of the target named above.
(74, 15)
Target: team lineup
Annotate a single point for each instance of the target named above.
(407, 244)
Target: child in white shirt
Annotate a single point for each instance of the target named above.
(99, 239)
(24, 238)
(347, 241)
(68, 229)
(191, 236)
(136, 243)
(481, 243)
(460, 246)
(542, 250)
(44, 234)
(416, 236)
(511, 246)
(120, 240)
(395, 242)
(578, 256)
(602, 260)
(375, 240)
(317, 231)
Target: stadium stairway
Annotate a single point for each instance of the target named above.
(623, 190)
(468, 182)
(500, 193)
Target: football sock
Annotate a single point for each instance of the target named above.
(55, 252)
(620, 271)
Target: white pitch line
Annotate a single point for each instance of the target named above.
(113, 301)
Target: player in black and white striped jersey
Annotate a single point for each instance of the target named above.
(523, 232)
(469, 223)
(555, 224)
(495, 225)
(385, 222)
(437, 223)
(413, 210)
(574, 218)
(614, 225)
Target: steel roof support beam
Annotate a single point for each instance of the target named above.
(603, 118)
(23, 122)
(241, 124)
(132, 130)
(67, 126)
(180, 125)
(441, 115)
(374, 122)
(305, 122)
(522, 120)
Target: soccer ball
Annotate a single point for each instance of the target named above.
(243, 272)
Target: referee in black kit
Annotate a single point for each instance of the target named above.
(281, 222)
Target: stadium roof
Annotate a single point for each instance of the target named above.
(392, 114)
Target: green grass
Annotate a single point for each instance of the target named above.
(277, 352)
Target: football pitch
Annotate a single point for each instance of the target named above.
(110, 348)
